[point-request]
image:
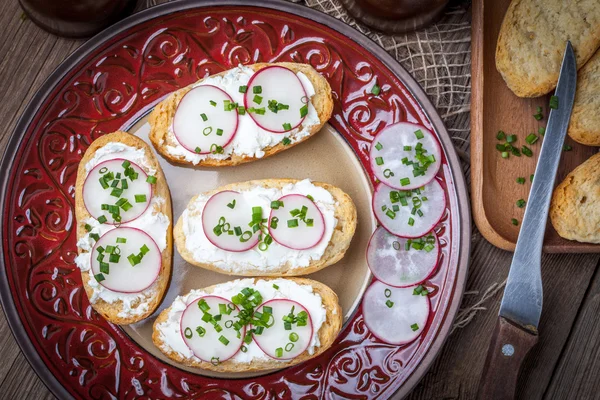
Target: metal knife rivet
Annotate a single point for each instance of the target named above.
(508, 350)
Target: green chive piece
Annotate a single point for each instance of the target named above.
(87, 227)
(531, 177)
(232, 204)
(511, 138)
(411, 221)
(389, 303)
(243, 89)
(99, 277)
(95, 236)
(275, 287)
(213, 103)
(531, 138)
(286, 141)
(292, 223)
(102, 219)
(419, 134)
(521, 203)
(151, 180)
(504, 154)
(257, 99)
(542, 130)
(501, 135)
(287, 126)
(514, 221)
(279, 352)
(140, 198)
(379, 146)
(303, 111)
(526, 151)
(223, 340)
(204, 117)
(414, 327)
(521, 180)
(566, 147)
(554, 102)
(405, 181)
(257, 89)
(379, 160)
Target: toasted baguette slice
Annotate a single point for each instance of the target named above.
(161, 118)
(585, 119)
(575, 207)
(532, 41)
(327, 335)
(111, 311)
(345, 213)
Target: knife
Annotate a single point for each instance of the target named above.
(516, 331)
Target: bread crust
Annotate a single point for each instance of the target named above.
(585, 119)
(110, 311)
(532, 41)
(161, 118)
(345, 213)
(327, 335)
(575, 207)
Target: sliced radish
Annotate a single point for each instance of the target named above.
(409, 214)
(402, 262)
(225, 220)
(131, 196)
(213, 340)
(395, 315)
(282, 86)
(297, 222)
(126, 260)
(394, 151)
(284, 341)
(203, 124)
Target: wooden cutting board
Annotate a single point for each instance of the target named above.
(494, 107)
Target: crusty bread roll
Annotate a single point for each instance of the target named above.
(327, 335)
(575, 207)
(111, 311)
(533, 37)
(585, 119)
(345, 213)
(161, 118)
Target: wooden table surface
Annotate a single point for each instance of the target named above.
(565, 363)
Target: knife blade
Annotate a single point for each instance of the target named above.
(521, 307)
(523, 296)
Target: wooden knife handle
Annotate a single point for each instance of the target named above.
(508, 348)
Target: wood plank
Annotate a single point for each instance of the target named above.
(576, 376)
(23, 383)
(456, 372)
(9, 350)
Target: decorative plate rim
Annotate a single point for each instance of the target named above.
(463, 220)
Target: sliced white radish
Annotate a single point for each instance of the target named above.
(395, 315)
(279, 92)
(119, 184)
(402, 262)
(296, 222)
(203, 122)
(284, 340)
(225, 220)
(405, 156)
(126, 260)
(208, 329)
(409, 214)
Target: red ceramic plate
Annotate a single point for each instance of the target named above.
(110, 83)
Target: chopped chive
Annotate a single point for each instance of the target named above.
(526, 151)
(102, 219)
(204, 117)
(151, 179)
(275, 287)
(531, 178)
(514, 221)
(419, 134)
(201, 331)
(511, 138)
(275, 204)
(521, 180)
(232, 204)
(542, 130)
(279, 352)
(213, 103)
(504, 154)
(286, 141)
(378, 146)
(405, 181)
(116, 192)
(114, 258)
(389, 303)
(241, 110)
(95, 236)
(287, 126)
(376, 89)
(411, 221)
(531, 138)
(257, 99)
(87, 227)
(257, 89)
(243, 89)
(223, 340)
(501, 135)
(521, 203)
(554, 102)
(407, 148)
(379, 160)
(99, 277)
(566, 147)
(292, 223)
(414, 327)
(140, 198)
(104, 268)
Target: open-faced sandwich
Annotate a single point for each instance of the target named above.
(250, 324)
(244, 114)
(272, 227)
(124, 231)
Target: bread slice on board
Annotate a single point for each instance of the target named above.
(585, 119)
(161, 118)
(345, 213)
(533, 37)
(327, 335)
(111, 311)
(575, 207)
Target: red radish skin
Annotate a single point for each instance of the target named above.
(126, 232)
(249, 96)
(90, 184)
(287, 303)
(192, 307)
(403, 230)
(283, 214)
(179, 123)
(393, 138)
(393, 325)
(223, 210)
(380, 254)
